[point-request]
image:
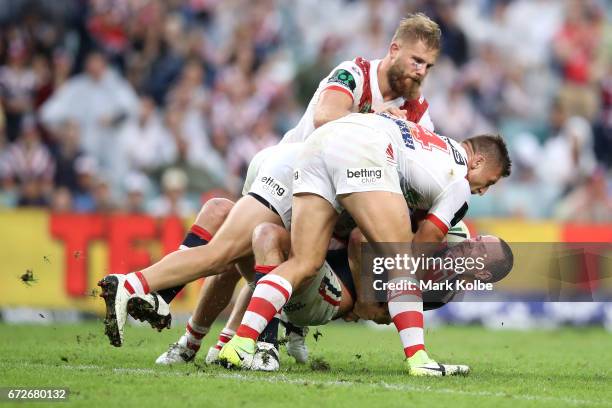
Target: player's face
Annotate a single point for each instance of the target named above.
(487, 247)
(482, 176)
(410, 63)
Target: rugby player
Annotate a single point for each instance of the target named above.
(333, 293)
(388, 165)
(391, 84)
(269, 200)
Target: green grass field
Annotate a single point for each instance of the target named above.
(541, 368)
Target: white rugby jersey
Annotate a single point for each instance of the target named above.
(432, 168)
(359, 80)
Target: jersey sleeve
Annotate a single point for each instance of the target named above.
(347, 78)
(450, 206)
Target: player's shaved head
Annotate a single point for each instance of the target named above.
(500, 268)
(417, 27)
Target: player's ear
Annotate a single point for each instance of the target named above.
(394, 49)
(483, 275)
(478, 161)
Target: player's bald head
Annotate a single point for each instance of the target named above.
(501, 266)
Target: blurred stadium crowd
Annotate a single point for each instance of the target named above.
(143, 105)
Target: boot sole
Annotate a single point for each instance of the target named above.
(142, 311)
(109, 293)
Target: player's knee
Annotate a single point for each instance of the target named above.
(213, 213)
(268, 236)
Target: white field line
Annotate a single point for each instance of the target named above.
(282, 378)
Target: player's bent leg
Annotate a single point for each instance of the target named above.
(210, 218)
(383, 217)
(215, 295)
(154, 308)
(271, 244)
(405, 307)
(231, 242)
(312, 226)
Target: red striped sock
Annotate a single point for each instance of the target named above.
(194, 334)
(225, 336)
(406, 310)
(270, 295)
(135, 283)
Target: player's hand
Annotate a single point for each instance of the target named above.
(397, 112)
(372, 311)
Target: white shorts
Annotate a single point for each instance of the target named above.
(343, 158)
(318, 302)
(270, 176)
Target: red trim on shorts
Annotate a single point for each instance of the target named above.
(276, 286)
(411, 351)
(143, 282)
(328, 299)
(339, 88)
(437, 222)
(264, 268)
(248, 332)
(201, 232)
(409, 319)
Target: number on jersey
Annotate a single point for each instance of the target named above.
(428, 139)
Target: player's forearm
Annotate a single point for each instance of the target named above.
(428, 233)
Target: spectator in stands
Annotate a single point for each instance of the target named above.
(29, 165)
(590, 202)
(228, 77)
(136, 188)
(244, 148)
(145, 143)
(100, 101)
(67, 150)
(173, 200)
(568, 158)
(18, 84)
